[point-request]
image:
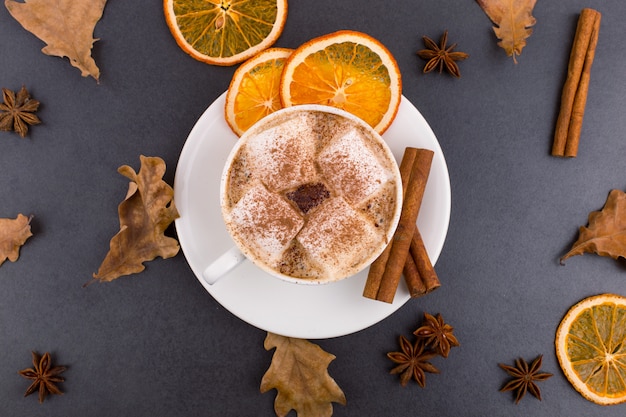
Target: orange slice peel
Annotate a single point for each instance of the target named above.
(254, 89)
(346, 69)
(591, 348)
(225, 32)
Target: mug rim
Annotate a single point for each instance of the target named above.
(242, 140)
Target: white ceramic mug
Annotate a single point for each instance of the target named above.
(375, 150)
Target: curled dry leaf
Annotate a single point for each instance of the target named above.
(145, 214)
(13, 234)
(605, 234)
(299, 373)
(513, 19)
(66, 26)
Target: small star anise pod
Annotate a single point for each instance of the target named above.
(524, 378)
(441, 56)
(437, 334)
(44, 376)
(412, 362)
(17, 111)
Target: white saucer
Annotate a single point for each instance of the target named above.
(302, 311)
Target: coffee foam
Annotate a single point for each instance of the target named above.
(351, 168)
(335, 238)
(283, 154)
(338, 238)
(266, 223)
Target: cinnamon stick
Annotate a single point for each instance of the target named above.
(419, 273)
(574, 95)
(413, 279)
(377, 268)
(401, 242)
(419, 256)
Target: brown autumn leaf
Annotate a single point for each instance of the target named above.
(66, 26)
(299, 373)
(13, 234)
(605, 234)
(145, 214)
(513, 19)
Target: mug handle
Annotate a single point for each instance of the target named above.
(223, 265)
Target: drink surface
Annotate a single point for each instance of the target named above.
(311, 195)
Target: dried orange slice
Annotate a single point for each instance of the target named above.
(591, 348)
(346, 69)
(225, 32)
(253, 91)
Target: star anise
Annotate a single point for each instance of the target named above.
(524, 378)
(437, 334)
(44, 376)
(17, 111)
(441, 56)
(412, 362)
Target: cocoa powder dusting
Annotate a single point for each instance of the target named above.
(296, 263)
(379, 207)
(312, 196)
(240, 177)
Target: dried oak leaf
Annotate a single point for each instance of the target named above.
(145, 214)
(13, 234)
(66, 26)
(299, 373)
(605, 234)
(513, 19)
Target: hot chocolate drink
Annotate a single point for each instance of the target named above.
(311, 194)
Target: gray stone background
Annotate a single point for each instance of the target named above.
(157, 344)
